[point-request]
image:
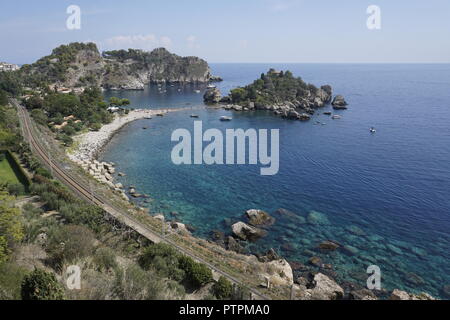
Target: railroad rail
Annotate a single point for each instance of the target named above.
(84, 191)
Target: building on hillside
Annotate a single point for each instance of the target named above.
(4, 66)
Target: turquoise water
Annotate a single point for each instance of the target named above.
(385, 195)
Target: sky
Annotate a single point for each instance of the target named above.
(254, 31)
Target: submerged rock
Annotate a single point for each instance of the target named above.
(315, 217)
(328, 246)
(357, 231)
(315, 261)
(259, 218)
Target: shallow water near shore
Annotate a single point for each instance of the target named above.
(384, 196)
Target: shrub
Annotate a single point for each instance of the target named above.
(96, 126)
(162, 258)
(223, 289)
(197, 274)
(69, 243)
(11, 277)
(105, 259)
(41, 285)
(16, 189)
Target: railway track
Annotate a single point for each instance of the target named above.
(84, 191)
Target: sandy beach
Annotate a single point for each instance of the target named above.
(90, 143)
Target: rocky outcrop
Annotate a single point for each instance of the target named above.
(403, 295)
(259, 218)
(320, 288)
(339, 103)
(246, 232)
(212, 96)
(276, 273)
(82, 65)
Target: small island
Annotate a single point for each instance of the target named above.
(287, 96)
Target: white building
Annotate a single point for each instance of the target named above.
(8, 67)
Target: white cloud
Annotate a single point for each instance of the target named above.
(145, 42)
(192, 42)
(282, 5)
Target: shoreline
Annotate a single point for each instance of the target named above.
(90, 144)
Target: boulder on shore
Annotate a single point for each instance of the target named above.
(403, 295)
(324, 288)
(246, 232)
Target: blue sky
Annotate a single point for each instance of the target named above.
(235, 30)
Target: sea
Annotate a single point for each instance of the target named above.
(384, 196)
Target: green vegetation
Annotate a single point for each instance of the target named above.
(41, 285)
(7, 174)
(272, 87)
(11, 227)
(223, 289)
(68, 114)
(54, 68)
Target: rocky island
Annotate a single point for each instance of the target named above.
(81, 65)
(280, 92)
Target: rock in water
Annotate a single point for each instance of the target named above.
(246, 232)
(328, 246)
(212, 96)
(339, 103)
(259, 218)
(315, 217)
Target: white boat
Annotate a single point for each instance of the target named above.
(373, 130)
(197, 91)
(211, 86)
(225, 118)
(336, 117)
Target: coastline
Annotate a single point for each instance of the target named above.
(90, 144)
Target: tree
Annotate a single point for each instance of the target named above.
(162, 258)
(3, 98)
(223, 289)
(41, 285)
(197, 274)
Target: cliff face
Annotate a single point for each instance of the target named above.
(80, 65)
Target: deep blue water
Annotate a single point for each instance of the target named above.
(393, 185)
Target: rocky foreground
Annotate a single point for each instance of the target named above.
(307, 283)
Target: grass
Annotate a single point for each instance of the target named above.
(7, 173)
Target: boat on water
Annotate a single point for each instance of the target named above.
(197, 91)
(373, 130)
(225, 118)
(148, 117)
(160, 114)
(327, 113)
(194, 115)
(335, 117)
(211, 86)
